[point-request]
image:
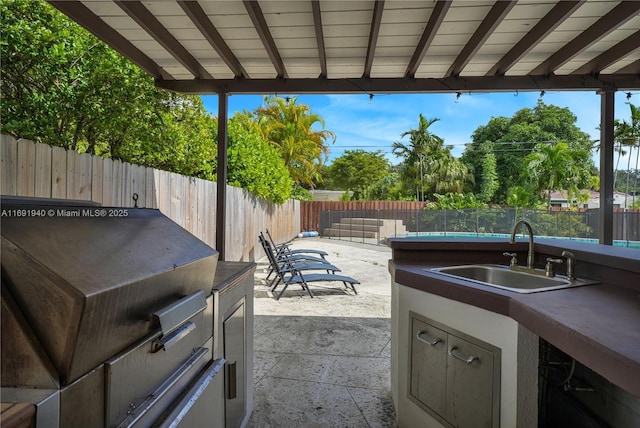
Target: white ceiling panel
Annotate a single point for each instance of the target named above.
(289, 46)
(347, 18)
(529, 10)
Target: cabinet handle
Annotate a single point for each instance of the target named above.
(231, 378)
(427, 342)
(468, 360)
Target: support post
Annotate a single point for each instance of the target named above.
(605, 221)
(221, 196)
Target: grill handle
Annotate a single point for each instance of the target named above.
(174, 320)
(176, 314)
(167, 341)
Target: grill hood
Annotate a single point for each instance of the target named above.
(88, 278)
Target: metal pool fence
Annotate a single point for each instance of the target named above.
(375, 226)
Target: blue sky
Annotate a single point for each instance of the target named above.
(375, 124)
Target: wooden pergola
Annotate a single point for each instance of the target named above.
(377, 46)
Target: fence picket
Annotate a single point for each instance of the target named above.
(150, 190)
(127, 184)
(116, 184)
(97, 183)
(58, 173)
(43, 171)
(26, 185)
(209, 232)
(201, 208)
(191, 204)
(163, 189)
(177, 195)
(9, 165)
(107, 182)
(83, 187)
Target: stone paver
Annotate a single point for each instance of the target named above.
(324, 362)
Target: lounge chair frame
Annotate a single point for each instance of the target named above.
(292, 273)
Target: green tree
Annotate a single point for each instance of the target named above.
(514, 138)
(490, 181)
(454, 201)
(356, 170)
(255, 165)
(627, 134)
(519, 197)
(325, 179)
(388, 188)
(428, 166)
(556, 167)
(624, 176)
(64, 87)
(184, 140)
(290, 127)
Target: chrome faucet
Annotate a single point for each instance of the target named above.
(570, 264)
(530, 256)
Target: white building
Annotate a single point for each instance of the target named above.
(620, 200)
(328, 195)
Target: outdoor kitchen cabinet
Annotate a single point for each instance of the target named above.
(233, 326)
(454, 377)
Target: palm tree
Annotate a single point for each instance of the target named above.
(290, 127)
(427, 163)
(553, 167)
(628, 134)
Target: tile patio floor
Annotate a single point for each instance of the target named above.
(324, 362)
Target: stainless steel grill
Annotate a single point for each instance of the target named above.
(107, 316)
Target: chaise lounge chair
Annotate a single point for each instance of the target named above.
(299, 261)
(285, 257)
(292, 273)
(285, 249)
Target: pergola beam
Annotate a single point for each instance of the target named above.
(145, 19)
(614, 54)
(317, 23)
(373, 36)
(633, 68)
(86, 18)
(495, 16)
(199, 18)
(260, 24)
(609, 22)
(430, 30)
(405, 85)
(546, 25)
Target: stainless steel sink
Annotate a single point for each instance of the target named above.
(507, 279)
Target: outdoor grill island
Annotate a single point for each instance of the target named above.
(118, 317)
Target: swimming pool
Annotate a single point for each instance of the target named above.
(448, 235)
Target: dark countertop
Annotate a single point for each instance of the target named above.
(229, 273)
(598, 325)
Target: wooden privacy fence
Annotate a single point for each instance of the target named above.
(310, 215)
(39, 170)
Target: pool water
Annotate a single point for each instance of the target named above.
(616, 243)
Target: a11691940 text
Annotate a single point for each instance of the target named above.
(65, 212)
